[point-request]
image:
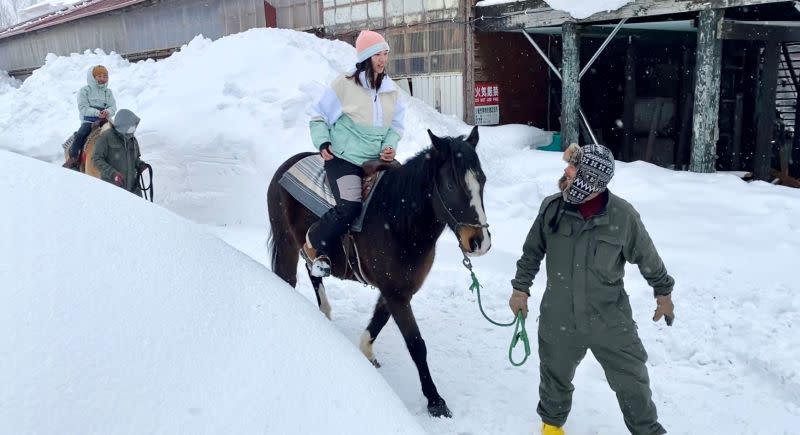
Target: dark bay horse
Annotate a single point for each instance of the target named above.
(441, 186)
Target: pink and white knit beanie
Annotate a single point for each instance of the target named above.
(368, 44)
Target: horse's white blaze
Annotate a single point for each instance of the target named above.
(475, 201)
(366, 346)
(324, 305)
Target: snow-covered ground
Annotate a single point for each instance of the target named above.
(216, 122)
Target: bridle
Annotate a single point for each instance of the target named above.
(450, 219)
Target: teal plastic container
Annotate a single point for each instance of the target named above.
(555, 144)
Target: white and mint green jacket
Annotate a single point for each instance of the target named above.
(93, 98)
(359, 122)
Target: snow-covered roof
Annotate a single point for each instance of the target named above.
(577, 9)
(69, 13)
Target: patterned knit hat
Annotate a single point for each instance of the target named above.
(99, 69)
(368, 44)
(595, 170)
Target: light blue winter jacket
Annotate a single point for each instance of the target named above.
(359, 122)
(95, 97)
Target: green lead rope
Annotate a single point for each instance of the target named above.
(519, 323)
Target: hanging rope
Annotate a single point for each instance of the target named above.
(519, 322)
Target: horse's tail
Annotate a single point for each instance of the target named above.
(284, 250)
(274, 215)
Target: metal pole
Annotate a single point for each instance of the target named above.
(602, 47)
(588, 127)
(558, 74)
(541, 53)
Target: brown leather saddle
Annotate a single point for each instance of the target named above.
(371, 169)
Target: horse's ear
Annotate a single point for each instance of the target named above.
(472, 139)
(434, 138)
(438, 144)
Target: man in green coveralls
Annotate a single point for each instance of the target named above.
(587, 234)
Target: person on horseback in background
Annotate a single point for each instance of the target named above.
(359, 117)
(116, 153)
(95, 102)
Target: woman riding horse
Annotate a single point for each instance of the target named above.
(359, 118)
(411, 206)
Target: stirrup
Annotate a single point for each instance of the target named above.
(319, 267)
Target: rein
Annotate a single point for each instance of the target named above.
(520, 333)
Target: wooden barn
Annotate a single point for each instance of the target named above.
(704, 86)
(136, 29)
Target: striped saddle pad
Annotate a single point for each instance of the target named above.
(307, 183)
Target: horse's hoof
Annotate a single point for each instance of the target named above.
(375, 363)
(438, 408)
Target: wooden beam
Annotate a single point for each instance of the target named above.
(570, 85)
(536, 13)
(705, 125)
(765, 111)
(760, 31)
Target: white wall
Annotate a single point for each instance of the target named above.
(444, 92)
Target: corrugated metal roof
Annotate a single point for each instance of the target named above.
(71, 13)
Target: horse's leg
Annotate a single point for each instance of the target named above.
(379, 319)
(400, 307)
(322, 297)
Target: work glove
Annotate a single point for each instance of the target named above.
(519, 301)
(665, 309)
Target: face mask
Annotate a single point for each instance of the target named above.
(128, 132)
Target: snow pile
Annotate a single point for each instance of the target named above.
(124, 318)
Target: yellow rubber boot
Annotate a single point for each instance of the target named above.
(551, 430)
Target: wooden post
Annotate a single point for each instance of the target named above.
(570, 85)
(686, 102)
(794, 166)
(765, 111)
(736, 159)
(629, 102)
(469, 65)
(705, 128)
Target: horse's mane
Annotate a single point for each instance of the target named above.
(405, 190)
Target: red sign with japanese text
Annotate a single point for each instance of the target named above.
(486, 94)
(487, 103)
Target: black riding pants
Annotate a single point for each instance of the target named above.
(345, 181)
